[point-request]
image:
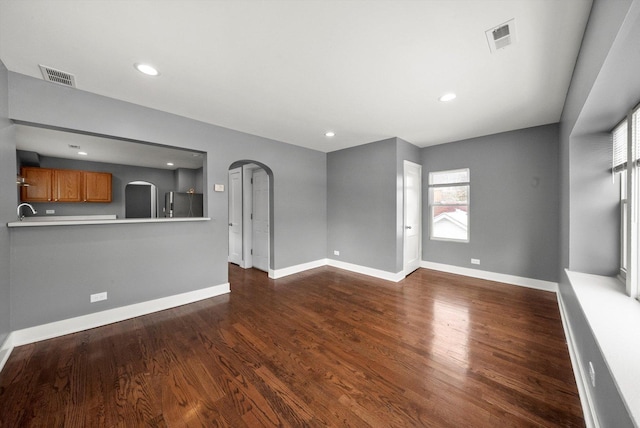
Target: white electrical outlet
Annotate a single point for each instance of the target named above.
(592, 374)
(98, 297)
(336, 252)
(50, 211)
(475, 261)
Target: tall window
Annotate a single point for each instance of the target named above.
(626, 158)
(623, 224)
(449, 205)
(619, 136)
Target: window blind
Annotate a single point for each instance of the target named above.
(449, 177)
(635, 134)
(619, 137)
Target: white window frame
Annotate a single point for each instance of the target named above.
(633, 201)
(623, 225)
(629, 200)
(619, 137)
(432, 205)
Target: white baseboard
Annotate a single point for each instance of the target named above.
(377, 273)
(5, 350)
(97, 319)
(399, 276)
(280, 273)
(493, 276)
(579, 371)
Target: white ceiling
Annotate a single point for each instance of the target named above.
(291, 70)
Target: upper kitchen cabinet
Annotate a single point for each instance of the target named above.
(65, 185)
(97, 186)
(39, 187)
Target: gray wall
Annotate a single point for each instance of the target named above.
(595, 206)
(8, 197)
(164, 179)
(54, 269)
(604, 86)
(361, 205)
(513, 221)
(364, 203)
(600, 94)
(186, 179)
(199, 180)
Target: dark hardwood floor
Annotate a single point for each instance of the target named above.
(322, 348)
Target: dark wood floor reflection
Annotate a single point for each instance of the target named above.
(321, 348)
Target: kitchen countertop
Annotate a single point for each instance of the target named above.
(90, 220)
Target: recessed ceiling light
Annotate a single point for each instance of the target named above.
(169, 163)
(330, 134)
(448, 97)
(146, 69)
(83, 153)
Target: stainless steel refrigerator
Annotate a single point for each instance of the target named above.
(177, 204)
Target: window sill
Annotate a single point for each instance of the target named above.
(614, 319)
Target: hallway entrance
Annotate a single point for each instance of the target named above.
(249, 216)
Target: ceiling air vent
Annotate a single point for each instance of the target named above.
(58, 76)
(501, 36)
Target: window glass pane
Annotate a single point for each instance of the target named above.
(450, 195)
(623, 235)
(635, 134)
(450, 222)
(449, 177)
(449, 205)
(622, 176)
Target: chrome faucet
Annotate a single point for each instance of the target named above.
(24, 204)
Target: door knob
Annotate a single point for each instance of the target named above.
(230, 224)
(407, 227)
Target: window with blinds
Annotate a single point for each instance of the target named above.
(635, 133)
(449, 205)
(619, 136)
(629, 178)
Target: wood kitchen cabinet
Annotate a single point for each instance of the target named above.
(65, 185)
(40, 187)
(97, 186)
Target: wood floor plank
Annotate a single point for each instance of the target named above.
(325, 347)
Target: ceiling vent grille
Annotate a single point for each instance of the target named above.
(58, 76)
(501, 36)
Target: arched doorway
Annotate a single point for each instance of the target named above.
(141, 200)
(250, 215)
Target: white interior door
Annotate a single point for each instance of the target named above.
(247, 210)
(412, 216)
(235, 216)
(260, 227)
